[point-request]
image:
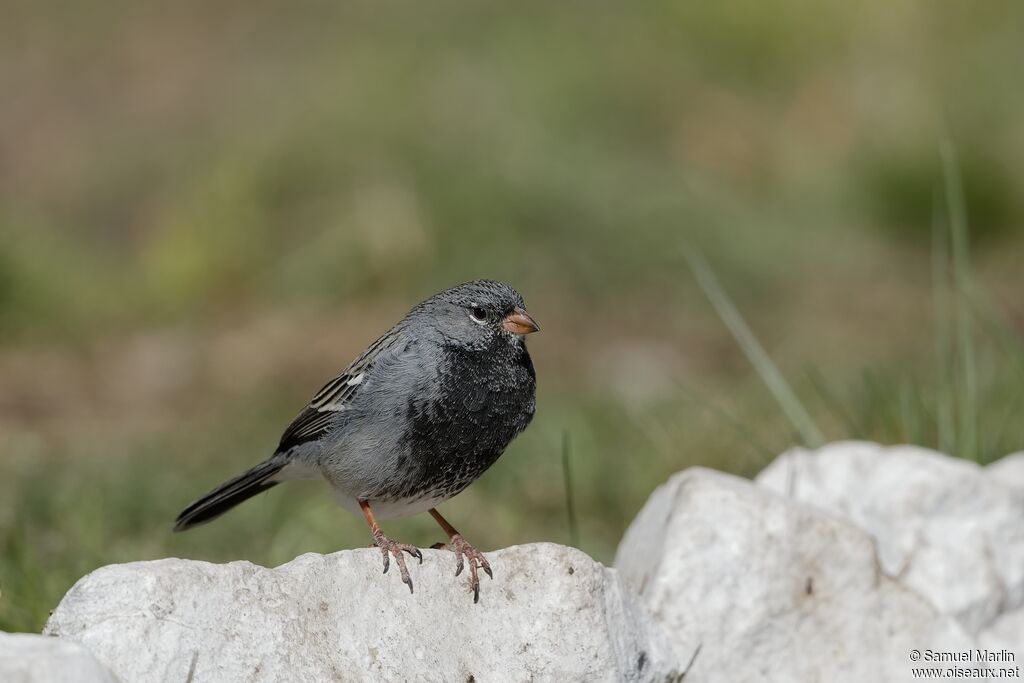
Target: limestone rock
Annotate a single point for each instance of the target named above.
(1008, 471)
(944, 526)
(1005, 633)
(550, 614)
(31, 658)
(752, 586)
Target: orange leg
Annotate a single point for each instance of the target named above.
(458, 545)
(389, 547)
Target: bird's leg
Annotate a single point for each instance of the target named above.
(458, 545)
(389, 547)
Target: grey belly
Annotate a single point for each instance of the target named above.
(404, 465)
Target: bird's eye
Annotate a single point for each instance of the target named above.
(478, 314)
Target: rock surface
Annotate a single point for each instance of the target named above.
(752, 586)
(31, 658)
(550, 614)
(947, 528)
(1008, 471)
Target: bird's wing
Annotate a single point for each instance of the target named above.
(320, 413)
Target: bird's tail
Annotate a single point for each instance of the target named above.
(229, 494)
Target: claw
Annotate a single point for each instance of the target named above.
(389, 548)
(464, 551)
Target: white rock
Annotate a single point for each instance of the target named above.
(1005, 633)
(31, 658)
(943, 526)
(1008, 471)
(755, 587)
(550, 614)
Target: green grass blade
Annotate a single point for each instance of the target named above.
(910, 413)
(968, 423)
(755, 353)
(944, 418)
(570, 503)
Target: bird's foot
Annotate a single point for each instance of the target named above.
(462, 548)
(389, 547)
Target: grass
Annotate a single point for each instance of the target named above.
(966, 444)
(755, 353)
(941, 332)
(570, 505)
(955, 388)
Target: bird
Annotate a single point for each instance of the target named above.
(411, 422)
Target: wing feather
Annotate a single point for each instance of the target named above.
(321, 412)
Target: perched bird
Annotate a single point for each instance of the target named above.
(411, 422)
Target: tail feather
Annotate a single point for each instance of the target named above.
(229, 494)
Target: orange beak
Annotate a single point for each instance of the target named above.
(520, 322)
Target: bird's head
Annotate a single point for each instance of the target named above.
(478, 315)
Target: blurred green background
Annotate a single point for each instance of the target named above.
(207, 209)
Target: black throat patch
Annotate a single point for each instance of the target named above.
(486, 398)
